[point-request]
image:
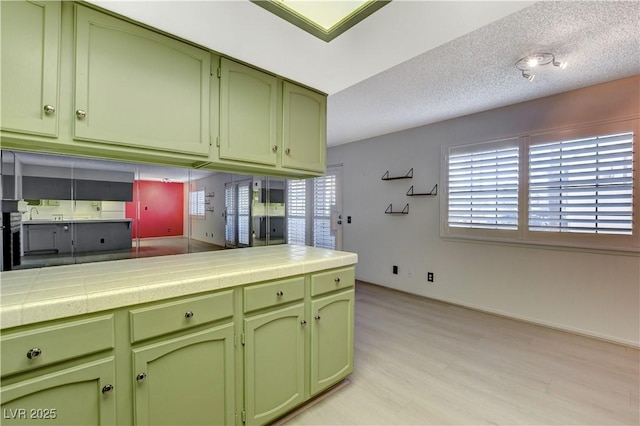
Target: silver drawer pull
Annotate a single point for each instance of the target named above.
(49, 109)
(140, 377)
(34, 353)
(337, 280)
(107, 389)
(303, 322)
(189, 315)
(81, 114)
(274, 148)
(317, 317)
(280, 294)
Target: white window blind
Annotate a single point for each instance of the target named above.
(296, 211)
(196, 203)
(582, 185)
(483, 186)
(324, 200)
(230, 216)
(244, 213)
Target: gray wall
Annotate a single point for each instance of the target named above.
(209, 229)
(592, 293)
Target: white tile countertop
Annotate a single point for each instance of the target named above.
(34, 295)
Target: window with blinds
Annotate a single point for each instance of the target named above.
(244, 213)
(575, 187)
(296, 212)
(311, 211)
(324, 200)
(583, 185)
(196, 203)
(483, 186)
(230, 215)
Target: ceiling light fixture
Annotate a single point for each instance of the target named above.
(527, 64)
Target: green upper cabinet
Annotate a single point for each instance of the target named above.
(248, 114)
(304, 128)
(137, 88)
(30, 34)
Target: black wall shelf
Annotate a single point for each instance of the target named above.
(433, 192)
(409, 175)
(389, 210)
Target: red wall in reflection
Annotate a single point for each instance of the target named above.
(161, 209)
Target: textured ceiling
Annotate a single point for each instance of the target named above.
(475, 72)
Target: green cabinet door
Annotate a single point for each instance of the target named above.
(331, 340)
(248, 114)
(83, 395)
(188, 380)
(138, 88)
(304, 120)
(274, 363)
(30, 42)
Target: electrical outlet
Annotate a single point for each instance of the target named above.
(395, 269)
(430, 277)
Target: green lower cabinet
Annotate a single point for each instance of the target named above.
(274, 363)
(187, 380)
(82, 395)
(331, 340)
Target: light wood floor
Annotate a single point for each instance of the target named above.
(419, 361)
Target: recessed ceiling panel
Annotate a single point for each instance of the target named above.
(323, 19)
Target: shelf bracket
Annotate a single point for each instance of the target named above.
(389, 210)
(409, 175)
(433, 192)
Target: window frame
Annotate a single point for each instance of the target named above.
(199, 203)
(572, 240)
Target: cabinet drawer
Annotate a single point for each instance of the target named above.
(179, 315)
(273, 293)
(47, 345)
(325, 282)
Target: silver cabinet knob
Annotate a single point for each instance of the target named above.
(337, 280)
(189, 315)
(140, 377)
(66, 228)
(81, 114)
(280, 294)
(34, 353)
(49, 109)
(317, 317)
(275, 148)
(287, 151)
(107, 389)
(303, 322)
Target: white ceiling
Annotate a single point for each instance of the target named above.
(411, 63)
(415, 62)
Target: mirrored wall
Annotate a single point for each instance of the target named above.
(63, 210)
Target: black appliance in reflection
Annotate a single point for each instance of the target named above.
(274, 226)
(11, 239)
